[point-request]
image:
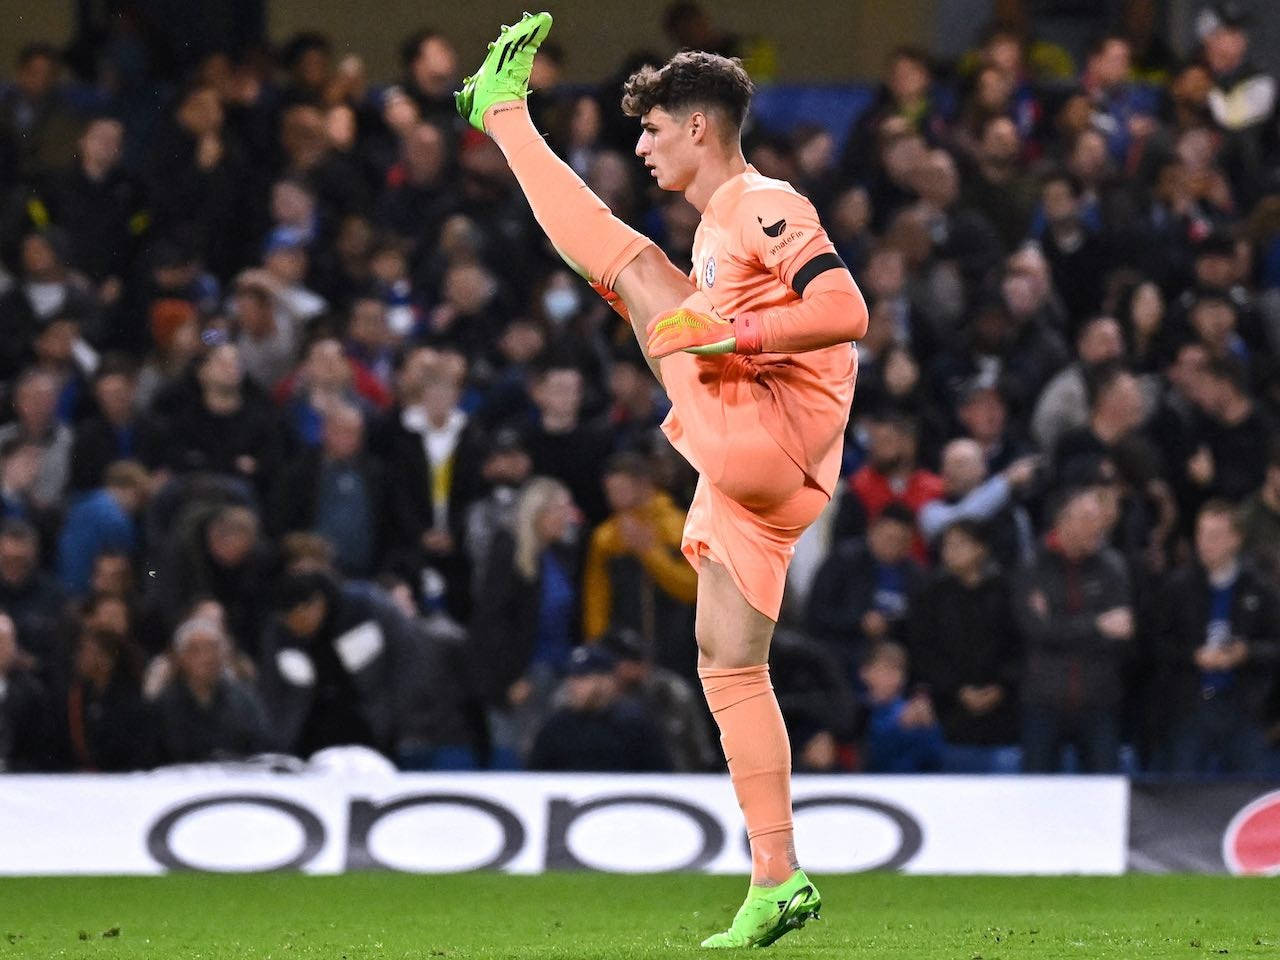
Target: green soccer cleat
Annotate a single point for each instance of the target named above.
(770, 912)
(504, 75)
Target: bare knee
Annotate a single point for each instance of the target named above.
(730, 633)
(727, 653)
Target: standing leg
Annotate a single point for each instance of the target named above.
(733, 663)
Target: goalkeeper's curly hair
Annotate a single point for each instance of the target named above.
(690, 79)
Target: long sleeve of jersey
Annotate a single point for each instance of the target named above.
(831, 312)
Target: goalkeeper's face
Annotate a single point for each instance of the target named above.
(670, 146)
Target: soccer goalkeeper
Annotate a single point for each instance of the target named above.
(758, 365)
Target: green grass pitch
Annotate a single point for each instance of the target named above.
(571, 916)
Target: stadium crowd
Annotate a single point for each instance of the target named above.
(309, 437)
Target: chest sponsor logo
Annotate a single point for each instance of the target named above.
(772, 229)
(709, 272)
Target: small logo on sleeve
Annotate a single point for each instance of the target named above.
(773, 229)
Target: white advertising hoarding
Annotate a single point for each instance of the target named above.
(527, 823)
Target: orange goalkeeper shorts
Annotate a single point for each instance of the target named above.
(753, 501)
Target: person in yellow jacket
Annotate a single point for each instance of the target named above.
(635, 575)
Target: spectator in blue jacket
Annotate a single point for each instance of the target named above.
(101, 522)
(903, 735)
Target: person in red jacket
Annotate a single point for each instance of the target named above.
(892, 474)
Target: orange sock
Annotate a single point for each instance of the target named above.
(755, 744)
(591, 240)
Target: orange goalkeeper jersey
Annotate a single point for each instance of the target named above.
(758, 246)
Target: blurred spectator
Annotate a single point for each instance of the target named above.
(205, 713)
(635, 575)
(100, 208)
(596, 730)
(689, 27)
(439, 730)
(1074, 607)
(505, 470)
(987, 502)
(862, 592)
(958, 234)
(308, 58)
(431, 75)
(340, 492)
(1230, 462)
(327, 175)
(891, 475)
(966, 653)
(370, 342)
(113, 575)
(904, 102)
(903, 735)
(36, 425)
(25, 734)
(561, 444)
(995, 185)
(266, 336)
(115, 431)
(61, 352)
(19, 465)
(670, 699)
(437, 448)
(213, 552)
(337, 666)
(1260, 519)
(638, 403)
(1217, 639)
(816, 697)
(102, 521)
(196, 179)
(35, 117)
(1115, 412)
(1077, 252)
(1242, 101)
(1120, 111)
(522, 634)
(217, 421)
(983, 415)
(175, 333)
(1064, 403)
(325, 377)
(418, 198)
(105, 725)
(28, 594)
